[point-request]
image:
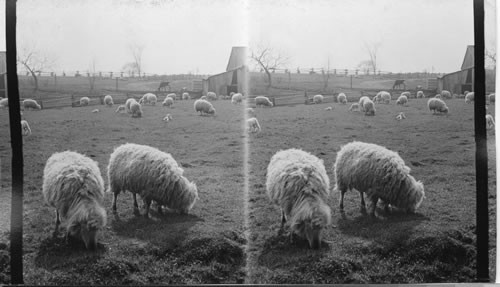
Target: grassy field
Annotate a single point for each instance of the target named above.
(206, 246)
(435, 245)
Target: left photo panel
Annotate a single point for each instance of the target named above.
(134, 142)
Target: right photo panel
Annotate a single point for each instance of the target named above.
(361, 149)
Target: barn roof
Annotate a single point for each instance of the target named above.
(237, 58)
(468, 58)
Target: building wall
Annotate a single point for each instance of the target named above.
(218, 83)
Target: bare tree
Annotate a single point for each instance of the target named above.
(268, 60)
(491, 57)
(91, 73)
(326, 76)
(136, 51)
(372, 49)
(35, 62)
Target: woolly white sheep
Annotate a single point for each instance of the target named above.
(236, 98)
(380, 174)
(148, 98)
(490, 121)
(369, 107)
(108, 100)
(95, 111)
(211, 96)
(354, 107)
(437, 105)
(263, 101)
(4, 103)
(172, 95)
(420, 94)
(253, 125)
(407, 94)
(361, 101)
(400, 116)
(445, 94)
(128, 103)
(341, 98)
(204, 106)
(297, 182)
(153, 174)
(73, 185)
(185, 96)
(385, 97)
(136, 109)
(437, 96)
(318, 99)
(121, 108)
(402, 100)
(168, 102)
(26, 130)
(328, 109)
(84, 101)
(469, 97)
(167, 118)
(204, 98)
(31, 104)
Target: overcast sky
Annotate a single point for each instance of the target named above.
(181, 36)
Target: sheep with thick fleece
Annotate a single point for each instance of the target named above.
(469, 97)
(341, 98)
(148, 98)
(185, 96)
(31, 104)
(168, 102)
(437, 96)
(95, 111)
(407, 94)
(237, 98)
(4, 103)
(490, 121)
(153, 174)
(25, 127)
(211, 96)
(445, 94)
(204, 106)
(318, 99)
(108, 100)
(128, 103)
(253, 125)
(84, 101)
(354, 107)
(379, 173)
(385, 97)
(172, 95)
(73, 185)
(369, 107)
(329, 109)
(167, 118)
(420, 94)
(402, 100)
(121, 108)
(263, 101)
(136, 109)
(437, 105)
(297, 182)
(361, 101)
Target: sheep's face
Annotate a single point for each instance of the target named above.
(211, 111)
(86, 232)
(444, 110)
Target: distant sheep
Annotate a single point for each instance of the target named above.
(185, 96)
(469, 97)
(380, 174)
(406, 94)
(236, 98)
(437, 105)
(25, 127)
(385, 97)
(153, 174)
(354, 107)
(121, 108)
(4, 103)
(401, 116)
(361, 101)
(136, 109)
(420, 94)
(73, 185)
(297, 182)
(369, 107)
(445, 94)
(108, 100)
(148, 98)
(253, 125)
(341, 98)
(167, 118)
(84, 101)
(491, 98)
(204, 106)
(490, 121)
(95, 111)
(402, 100)
(328, 109)
(168, 102)
(263, 101)
(172, 95)
(128, 103)
(31, 104)
(211, 96)
(318, 99)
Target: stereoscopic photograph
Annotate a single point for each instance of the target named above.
(246, 142)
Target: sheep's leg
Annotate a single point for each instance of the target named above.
(147, 204)
(115, 196)
(58, 221)
(372, 206)
(136, 205)
(160, 210)
(342, 192)
(363, 204)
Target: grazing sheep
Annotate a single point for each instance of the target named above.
(407, 94)
(437, 105)
(73, 185)
(95, 111)
(128, 103)
(211, 96)
(121, 108)
(185, 96)
(263, 101)
(136, 109)
(84, 101)
(31, 104)
(420, 94)
(380, 174)
(469, 97)
(148, 98)
(369, 107)
(168, 102)
(491, 98)
(445, 94)
(297, 182)
(437, 96)
(4, 103)
(153, 174)
(377, 98)
(341, 98)
(490, 121)
(108, 100)
(361, 101)
(385, 97)
(204, 98)
(318, 99)
(26, 130)
(236, 98)
(354, 107)
(402, 100)
(204, 106)
(400, 116)
(253, 125)
(167, 118)
(172, 95)
(250, 112)
(328, 109)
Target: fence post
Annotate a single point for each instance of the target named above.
(116, 89)
(351, 82)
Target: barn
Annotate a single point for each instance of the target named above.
(463, 80)
(233, 79)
